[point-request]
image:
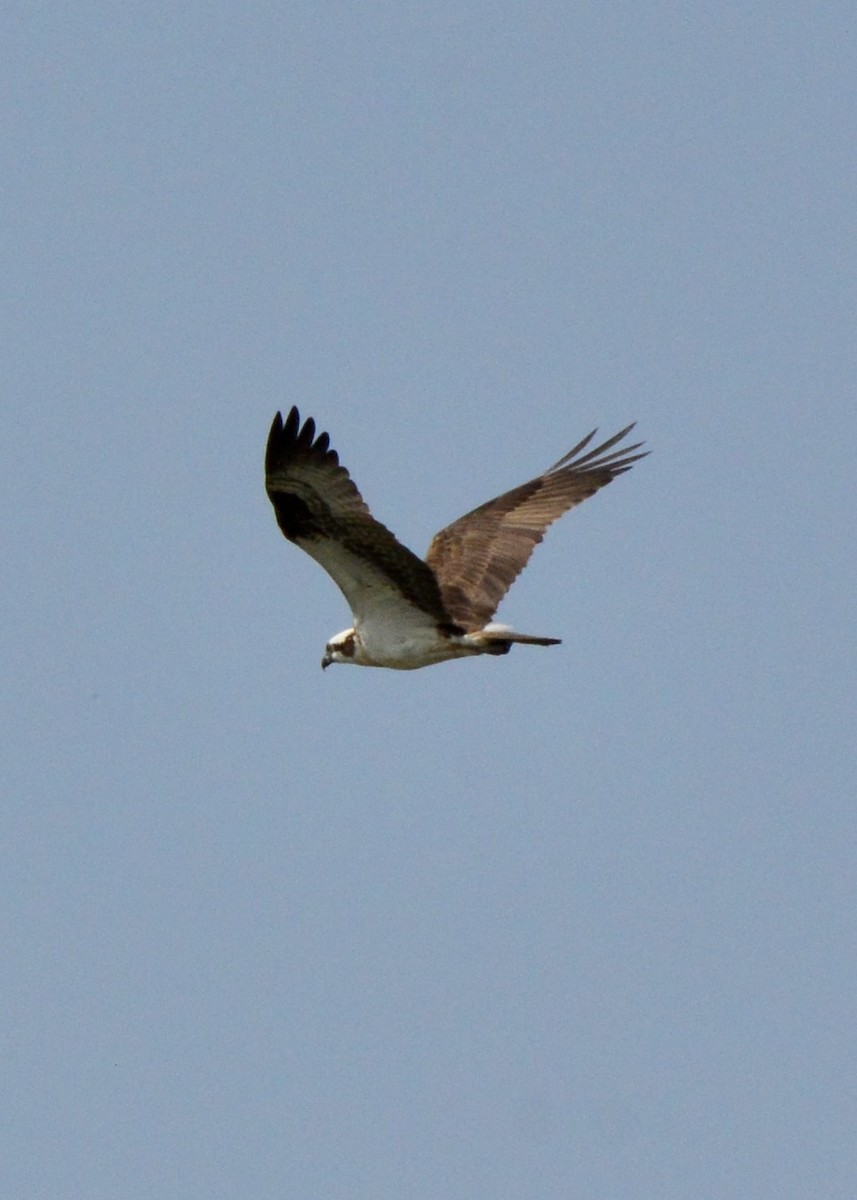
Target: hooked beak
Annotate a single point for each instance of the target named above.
(326, 661)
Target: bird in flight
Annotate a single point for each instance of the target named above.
(411, 612)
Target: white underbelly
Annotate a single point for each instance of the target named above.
(406, 649)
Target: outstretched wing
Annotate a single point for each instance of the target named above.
(478, 557)
(319, 508)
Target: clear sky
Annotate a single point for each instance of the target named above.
(577, 922)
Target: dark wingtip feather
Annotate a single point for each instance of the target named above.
(289, 438)
(617, 461)
(307, 434)
(273, 439)
(292, 424)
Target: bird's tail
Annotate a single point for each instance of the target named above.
(525, 639)
(496, 639)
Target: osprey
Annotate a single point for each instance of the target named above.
(409, 612)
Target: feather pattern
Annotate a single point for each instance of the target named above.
(318, 507)
(478, 557)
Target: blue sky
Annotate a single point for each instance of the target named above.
(574, 922)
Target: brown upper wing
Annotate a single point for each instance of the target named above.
(478, 557)
(320, 509)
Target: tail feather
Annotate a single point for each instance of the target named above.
(526, 639)
(499, 640)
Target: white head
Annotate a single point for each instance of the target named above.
(340, 649)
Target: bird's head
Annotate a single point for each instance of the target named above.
(340, 649)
